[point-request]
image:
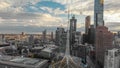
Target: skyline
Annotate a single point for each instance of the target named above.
(33, 16)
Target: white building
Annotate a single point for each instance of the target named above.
(117, 41)
(112, 58)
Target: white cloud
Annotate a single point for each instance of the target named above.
(50, 10)
(4, 5)
(46, 20)
(12, 12)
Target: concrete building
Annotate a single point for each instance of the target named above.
(103, 42)
(44, 36)
(117, 41)
(31, 39)
(60, 39)
(91, 35)
(98, 13)
(119, 34)
(73, 23)
(112, 58)
(87, 24)
(52, 36)
(78, 37)
(22, 62)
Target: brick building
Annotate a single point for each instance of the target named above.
(104, 41)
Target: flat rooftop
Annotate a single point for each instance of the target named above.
(22, 62)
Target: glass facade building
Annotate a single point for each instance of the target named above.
(98, 13)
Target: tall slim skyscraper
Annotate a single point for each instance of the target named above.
(73, 23)
(51, 36)
(98, 13)
(44, 35)
(72, 31)
(87, 24)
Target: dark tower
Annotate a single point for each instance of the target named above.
(87, 24)
(72, 31)
(44, 36)
(51, 36)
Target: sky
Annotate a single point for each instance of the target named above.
(34, 16)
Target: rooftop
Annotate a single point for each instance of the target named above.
(22, 61)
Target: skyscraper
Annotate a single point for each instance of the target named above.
(104, 40)
(98, 13)
(91, 35)
(44, 35)
(51, 36)
(119, 34)
(72, 31)
(60, 38)
(87, 24)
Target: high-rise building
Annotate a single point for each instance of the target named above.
(87, 24)
(31, 39)
(60, 38)
(51, 36)
(119, 34)
(103, 42)
(98, 13)
(72, 31)
(73, 23)
(44, 35)
(112, 58)
(91, 35)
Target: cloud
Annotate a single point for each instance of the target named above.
(47, 13)
(4, 5)
(113, 26)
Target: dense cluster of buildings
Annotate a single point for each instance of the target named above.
(96, 40)
(96, 48)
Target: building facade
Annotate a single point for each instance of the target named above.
(87, 24)
(98, 13)
(103, 42)
(73, 23)
(60, 39)
(112, 58)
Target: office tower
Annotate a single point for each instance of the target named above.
(119, 34)
(112, 58)
(51, 36)
(60, 38)
(87, 24)
(78, 37)
(72, 31)
(44, 36)
(31, 39)
(103, 42)
(91, 35)
(73, 23)
(85, 38)
(82, 52)
(98, 13)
